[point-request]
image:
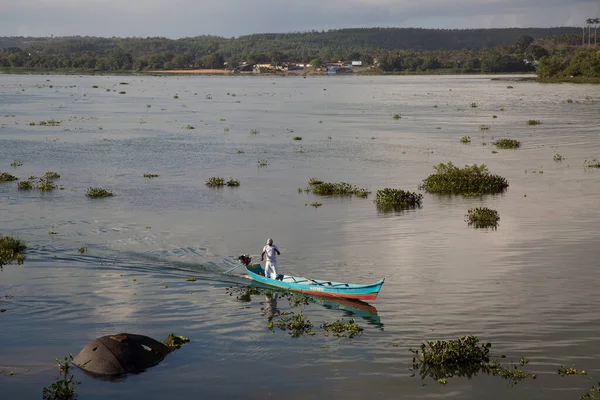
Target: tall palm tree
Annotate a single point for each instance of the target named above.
(596, 23)
(583, 36)
(589, 22)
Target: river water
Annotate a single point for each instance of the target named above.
(530, 287)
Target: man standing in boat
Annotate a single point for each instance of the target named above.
(271, 251)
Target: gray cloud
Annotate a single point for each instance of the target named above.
(181, 18)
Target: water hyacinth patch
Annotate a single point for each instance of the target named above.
(314, 181)
(233, 182)
(95, 192)
(482, 217)
(472, 180)
(147, 175)
(465, 139)
(46, 185)
(16, 163)
(397, 199)
(341, 329)
(51, 175)
(6, 177)
(593, 163)
(507, 144)
(533, 122)
(215, 182)
(11, 249)
(558, 158)
(338, 189)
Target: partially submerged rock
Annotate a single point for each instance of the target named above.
(120, 354)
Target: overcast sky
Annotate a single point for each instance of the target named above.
(184, 18)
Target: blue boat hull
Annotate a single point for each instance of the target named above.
(321, 288)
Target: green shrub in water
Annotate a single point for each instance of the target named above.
(338, 189)
(593, 163)
(233, 182)
(507, 144)
(473, 180)
(465, 139)
(6, 177)
(397, 199)
(64, 387)
(95, 192)
(46, 184)
(51, 175)
(215, 182)
(11, 249)
(482, 217)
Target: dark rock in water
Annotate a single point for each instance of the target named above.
(120, 354)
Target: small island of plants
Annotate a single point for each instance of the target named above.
(507, 144)
(472, 180)
(11, 249)
(397, 199)
(482, 217)
(95, 192)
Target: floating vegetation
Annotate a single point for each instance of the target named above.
(147, 175)
(563, 371)
(262, 163)
(533, 122)
(10, 250)
(465, 139)
(509, 87)
(215, 182)
(593, 394)
(51, 175)
(397, 199)
(175, 342)
(16, 163)
(297, 138)
(593, 163)
(208, 97)
(225, 129)
(494, 152)
(64, 387)
(474, 105)
(295, 323)
(316, 204)
(95, 87)
(569, 101)
(339, 189)
(190, 280)
(471, 180)
(6, 177)
(341, 329)
(46, 185)
(484, 127)
(233, 182)
(190, 127)
(396, 116)
(494, 116)
(95, 192)
(482, 217)
(254, 132)
(122, 92)
(558, 158)
(507, 144)
(82, 250)
(25, 185)
(314, 181)
(49, 122)
(238, 151)
(176, 97)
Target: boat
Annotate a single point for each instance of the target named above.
(315, 286)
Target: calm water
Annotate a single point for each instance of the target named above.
(530, 287)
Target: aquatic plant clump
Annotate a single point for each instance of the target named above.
(450, 353)
(64, 387)
(558, 157)
(25, 185)
(95, 192)
(314, 181)
(482, 217)
(51, 175)
(11, 249)
(533, 122)
(507, 144)
(46, 185)
(465, 139)
(151, 175)
(397, 199)
(593, 163)
(215, 182)
(341, 329)
(233, 182)
(472, 180)
(295, 324)
(6, 177)
(338, 189)
(16, 163)
(175, 342)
